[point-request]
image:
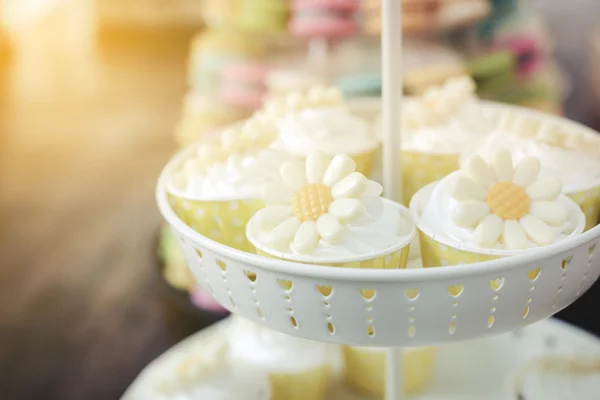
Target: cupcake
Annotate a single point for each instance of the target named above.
(488, 210)
(566, 151)
(364, 369)
(209, 377)
(203, 117)
(435, 128)
(217, 191)
(320, 120)
(297, 369)
(326, 213)
(283, 81)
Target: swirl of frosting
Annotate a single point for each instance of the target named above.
(500, 206)
(444, 119)
(330, 130)
(239, 176)
(319, 120)
(195, 378)
(236, 165)
(270, 351)
(569, 155)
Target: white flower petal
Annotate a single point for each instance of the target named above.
(552, 213)
(488, 231)
(269, 217)
(537, 230)
(479, 171)
(340, 166)
(347, 209)
(316, 165)
(467, 189)
(526, 171)
(306, 239)
(545, 189)
(293, 174)
(330, 229)
(283, 234)
(548, 133)
(469, 213)
(351, 186)
(503, 166)
(373, 189)
(514, 236)
(273, 194)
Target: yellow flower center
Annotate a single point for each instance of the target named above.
(508, 200)
(311, 201)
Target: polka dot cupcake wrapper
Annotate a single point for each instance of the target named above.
(420, 169)
(310, 383)
(365, 369)
(589, 201)
(364, 162)
(436, 254)
(394, 260)
(222, 221)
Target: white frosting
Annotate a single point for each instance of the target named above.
(273, 352)
(436, 220)
(576, 170)
(329, 129)
(450, 136)
(382, 228)
(213, 380)
(241, 176)
(444, 119)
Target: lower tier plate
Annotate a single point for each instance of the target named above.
(549, 360)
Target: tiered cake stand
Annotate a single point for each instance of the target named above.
(389, 308)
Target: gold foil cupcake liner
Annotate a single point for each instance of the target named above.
(222, 221)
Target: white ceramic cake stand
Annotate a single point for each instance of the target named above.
(389, 308)
(457, 374)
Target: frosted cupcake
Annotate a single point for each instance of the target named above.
(568, 152)
(435, 129)
(203, 117)
(202, 377)
(297, 369)
(217, 191)
(320, 120)
(364, 369)
(327, 213)
(493, 209)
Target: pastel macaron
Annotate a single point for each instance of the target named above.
(243, 84)
(528, 52)
(324, 18)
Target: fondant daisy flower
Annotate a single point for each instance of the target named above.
(506, 205)
(319, 199)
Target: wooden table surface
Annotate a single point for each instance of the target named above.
(84, 132)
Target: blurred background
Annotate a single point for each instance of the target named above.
(96, 95)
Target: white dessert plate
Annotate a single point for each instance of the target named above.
(484, 369)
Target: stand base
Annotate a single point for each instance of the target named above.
(458, 374)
